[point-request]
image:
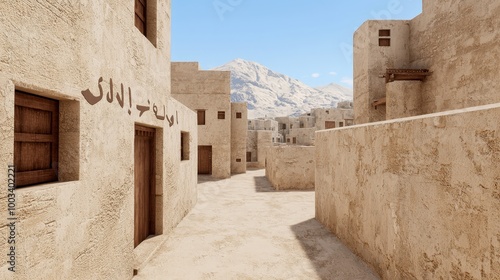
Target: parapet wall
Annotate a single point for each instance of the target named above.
(417, 198)
(291, 167)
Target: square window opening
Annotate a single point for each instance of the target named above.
(384, 33)
(384, 42)
(221, 115)
(46, 139)
(238, 115)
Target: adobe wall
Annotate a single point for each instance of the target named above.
(209, 91)
(83, 226)
(372, 60)
(458, 42)
(239, 138)
(404, 99)
(417, 198)
(258, 143)
(291, 167)
(303, 136)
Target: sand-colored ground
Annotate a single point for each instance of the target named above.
(242, 229)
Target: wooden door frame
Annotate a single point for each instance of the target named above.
(152, 179)
(210, 172)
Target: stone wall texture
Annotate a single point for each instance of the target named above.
(83, 226)
(417, 198)
(291, 167)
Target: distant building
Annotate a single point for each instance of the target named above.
(221, 124)
(262, 134)
(301, 130)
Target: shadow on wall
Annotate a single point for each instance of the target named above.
(331, 259)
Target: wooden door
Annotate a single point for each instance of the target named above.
(144, 184)
(204, 159)
(249, 156)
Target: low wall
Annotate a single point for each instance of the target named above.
(417, 198)
(291, 167)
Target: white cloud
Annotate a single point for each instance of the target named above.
(333, 73)
(315, 75)
(347, 81)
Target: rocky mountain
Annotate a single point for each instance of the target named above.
(272, 94)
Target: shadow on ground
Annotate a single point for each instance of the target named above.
(329, 256)
(262, 184)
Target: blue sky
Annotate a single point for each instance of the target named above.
(310, 40)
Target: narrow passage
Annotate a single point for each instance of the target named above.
(242, 229)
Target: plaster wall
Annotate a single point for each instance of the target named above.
(291, 167)
(238, 138)
(303, 136)
(372, 60)
(209, 91)
(458, 42)
(258, 143)
(417, 198)
(82, 227)
(346, 116)
(404, 99)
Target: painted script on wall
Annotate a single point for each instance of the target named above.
(93, 99)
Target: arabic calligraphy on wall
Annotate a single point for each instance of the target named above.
(93, 99)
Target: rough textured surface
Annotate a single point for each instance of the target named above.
(83, 228)
(404, 99)
(258, 144)
(417, 198)
(456, 40)
(242, 229)
(291, 167)
(238, 138)
(209, 91)
(371, 60)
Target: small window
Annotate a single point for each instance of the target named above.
(294, 140)
(249, 156)
(184, 145)
(384, 33)
(145, 18)
(384, 42)
(329, 124)
(301, 125)
(221, 115)
(288, 140)
(201, 117)
(273, 139)
(341, 124)
(284, 126)
(36, 139)
(238, 160)
(238, 115)
(384, 39)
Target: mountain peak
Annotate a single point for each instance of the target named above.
(275, 94)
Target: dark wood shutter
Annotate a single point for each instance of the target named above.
(140, 15)
(201, 117)
(221, 115)
(329, 124)
(238, 115)
(36, 139)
